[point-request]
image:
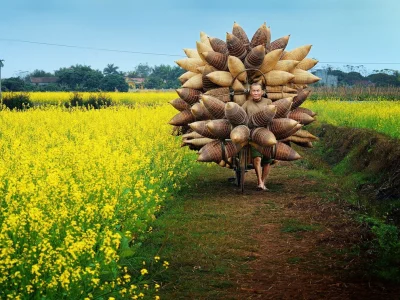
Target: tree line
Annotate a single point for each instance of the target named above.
(84, 78)
(357, 76)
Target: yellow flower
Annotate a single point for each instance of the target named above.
(144, 272)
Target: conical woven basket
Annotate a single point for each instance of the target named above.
(280, 95)
(240, 135)
(190, 64)
(200, 142)
(179, 104)
(191, 53)
(307, 64)
(200, 112)
(304, 77)
(219, 45)
(222, 78)
(235, 113)
(191, 96)
(283, 107)
(221, 128)
(241, 34)
(195, 82)
(300, 98)
(286, 65)
(280, 43)
(270, 60)
(305, 110)
(298, 53)
(214, 106)
(236, 68)
(200, 128)
(186, 76)
(221, 93)
(235, 46)
(282, 126)
(261, 37)
(207, 83)
(263, 137)
(300, 117)
(183, 118)
(263, 118)
(217, 60)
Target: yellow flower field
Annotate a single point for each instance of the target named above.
(382, 116)
(59, 98)
(77, 189)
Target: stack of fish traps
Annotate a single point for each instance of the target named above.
(217, 83)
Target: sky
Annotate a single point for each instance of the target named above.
(342, 32)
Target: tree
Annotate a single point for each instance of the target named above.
(80, 78)
(40, 73)
(141, 71)
(382, 79)
(113, 82)
(164, 77)
(110, 69)
(13, 84)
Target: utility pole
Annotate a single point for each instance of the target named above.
(1, 65)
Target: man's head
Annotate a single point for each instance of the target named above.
(256, 92)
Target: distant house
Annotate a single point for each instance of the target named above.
(43, 80)
(135, 83)
(326, 79)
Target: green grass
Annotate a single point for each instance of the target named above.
(294, 226)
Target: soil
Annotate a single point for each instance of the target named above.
(297, 241)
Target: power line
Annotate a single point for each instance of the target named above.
(359, 63)
(177, 55)
(89, 48)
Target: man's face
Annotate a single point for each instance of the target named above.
(256, 93)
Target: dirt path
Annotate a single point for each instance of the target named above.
(293, 242)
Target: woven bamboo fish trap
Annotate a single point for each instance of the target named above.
(298, 53)
(307, 64)
(263, 137)
(217, 83)
(283, 107)
(301, 117)
(217, 60)
(186, 76)
(235, 46)
(207, 83)
(183, 118)
(279, 95)
(200, 112)
(221, 128)
(280, 43)
(195, 82)
(241, 35)
(240, 135)
(191, 96)
(263, 118)
(235, 114)
(179, 104)
(190, 64)
(214, 106)
(305, 110)
(221, 93)
(287, 65)
(191, 53)
(200, 128)
(219, 45)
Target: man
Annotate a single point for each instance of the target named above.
(262, 165)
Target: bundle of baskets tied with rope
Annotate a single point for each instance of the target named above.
(217, 83)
